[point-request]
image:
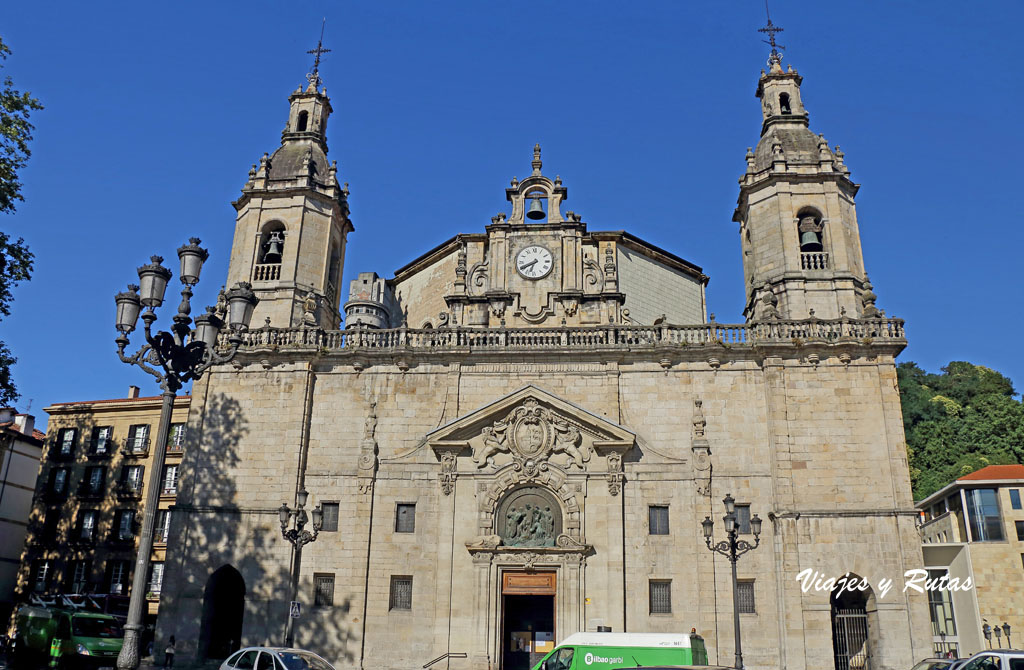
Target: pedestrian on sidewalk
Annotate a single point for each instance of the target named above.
(169, 654)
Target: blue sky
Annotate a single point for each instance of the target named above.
(154, 112)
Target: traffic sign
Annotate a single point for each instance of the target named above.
(295, 609)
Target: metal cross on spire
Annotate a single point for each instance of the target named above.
(314, 77)
(774, 58)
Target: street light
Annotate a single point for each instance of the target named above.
(733, 548)
(1006, 632)
(173, 358)
(987, 631)
(299, 537)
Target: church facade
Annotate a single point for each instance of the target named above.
(518, 435)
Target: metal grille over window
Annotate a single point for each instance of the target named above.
(743, 519)
(405, 518)
(745, 597)
(658, 518)
(401, 593)
(661, 596)
(324, 596)
(330, 517)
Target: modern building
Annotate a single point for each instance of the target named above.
(518, 435)
(88, 503)
(21, 447)
(973, 530)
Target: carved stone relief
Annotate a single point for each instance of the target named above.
(531, 434)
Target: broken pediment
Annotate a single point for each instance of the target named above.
(529, 429)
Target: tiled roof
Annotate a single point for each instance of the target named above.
(35, 433)
(995, 472)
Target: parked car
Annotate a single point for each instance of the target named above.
(995, 659)
(934, 664)
(274, 658)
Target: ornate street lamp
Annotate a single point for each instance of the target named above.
(299, 537)
(1006, 632)
(732, 548)
(173, 358)
(987, 631)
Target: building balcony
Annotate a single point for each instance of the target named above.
(136, 448)
(51, 496)
(266, 272)
(126, 492)
(90, 493)
(814, 260)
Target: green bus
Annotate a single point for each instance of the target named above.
(607, 651)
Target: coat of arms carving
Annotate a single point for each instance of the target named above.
(531, 434)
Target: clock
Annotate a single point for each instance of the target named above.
(534, 262)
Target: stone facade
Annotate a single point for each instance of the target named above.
(111, 436)
(493, 370)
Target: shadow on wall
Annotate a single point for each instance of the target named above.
(228, 570)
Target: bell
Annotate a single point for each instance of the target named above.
(274, 246)
(536, 211)
(809, 241)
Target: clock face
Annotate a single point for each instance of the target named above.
(534, 262)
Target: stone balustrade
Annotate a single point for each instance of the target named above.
(608, 337)
(814, 260)
(266, 272)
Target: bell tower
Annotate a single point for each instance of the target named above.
(292, 221)
(798, 221)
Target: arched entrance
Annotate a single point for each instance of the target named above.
(223, 607)
(854, 634)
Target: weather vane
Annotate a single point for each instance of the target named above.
(314, 77)
(774, 58)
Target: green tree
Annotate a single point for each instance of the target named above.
(958, 422)
(15, 258)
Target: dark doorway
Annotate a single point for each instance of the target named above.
(223, 607)
(852, 611)
(528, 625)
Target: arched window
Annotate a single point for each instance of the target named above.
(302, 122)
(810, 228)
(854, 623)
(784, 103)
(272, 244)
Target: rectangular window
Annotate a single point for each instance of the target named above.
(138, 439)
(156, 578)
(59, 480)
(401, 593)
(940, 607)
(101, 442)
(176, 437)
(131, 478)
(87, 524)
(743, 519)
(330, 516)
(125, 524)
(51, 523)
(657, 517)
(41, 580)
(324, 594)
(661, 596)
(983, 514)
(162, 527)
(79, 576)
(170, 480)
(745, 597)
(405, 518)
(66, 441)
(93, 482)
(1020, 530)
(119, 577)
(1015, 498)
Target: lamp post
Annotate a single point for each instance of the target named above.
(1006, 632)
(299, 537)
(732, 548)
(173, 358)
(987, 632)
